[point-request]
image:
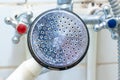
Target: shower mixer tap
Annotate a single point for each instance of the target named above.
(109, 21)
(21, 24)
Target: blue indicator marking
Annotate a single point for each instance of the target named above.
(112, 23)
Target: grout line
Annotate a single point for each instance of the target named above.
(111, 63)
(8, 67)
(81, 64)
(14, 67)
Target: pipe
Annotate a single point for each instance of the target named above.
(90, 19)
(65, 4)
(60, 2)
(91, 58)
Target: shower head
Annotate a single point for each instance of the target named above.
(58, 39)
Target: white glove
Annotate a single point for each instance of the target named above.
(28, 70)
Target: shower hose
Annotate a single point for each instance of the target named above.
(116, 11)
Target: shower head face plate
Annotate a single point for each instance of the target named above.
(58, 39)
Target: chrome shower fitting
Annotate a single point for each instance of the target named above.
(115, 7)
(108, 21)
(58, 38)
(112, 22)
(20, 24)
(65, 4)
(116, 11)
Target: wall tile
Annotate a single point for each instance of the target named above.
(11, 1)
(107, 47)
(107, 72)
(54, 0)
(103, 1)
(4, 73)
(11, 55)
(42, 1)
(76, 73)
(38, 9)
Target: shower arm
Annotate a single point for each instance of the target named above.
(65, 4)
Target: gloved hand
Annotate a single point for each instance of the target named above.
(28, 70)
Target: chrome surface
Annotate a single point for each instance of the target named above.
(60, 36)
(23, 18)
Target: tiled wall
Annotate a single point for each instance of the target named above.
(12, 56)
(106, 57)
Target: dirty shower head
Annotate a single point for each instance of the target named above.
(58, 39)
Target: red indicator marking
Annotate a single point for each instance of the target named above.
(21, 29)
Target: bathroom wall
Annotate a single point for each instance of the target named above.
(12, 55)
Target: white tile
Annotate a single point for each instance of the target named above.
(41, 0)
(77, 8)
(84, 61)
(49, 0)
(4, 73)
(11, 55)
(107, 72)
(102, 1)
(84, 9)
(76, 73)
(107, 47)
(38, 9)
(54, 0)
(1, 78)
(12, 1)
